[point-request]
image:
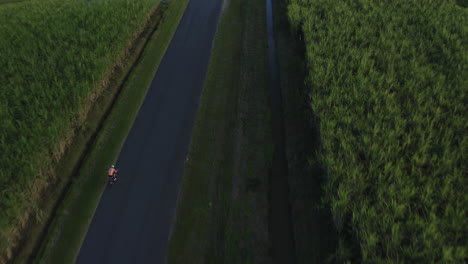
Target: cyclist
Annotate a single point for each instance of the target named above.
(111, 173)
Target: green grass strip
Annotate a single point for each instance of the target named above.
(222, 206)
(75, 214)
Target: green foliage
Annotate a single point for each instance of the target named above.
(53, 54)
(388, 82)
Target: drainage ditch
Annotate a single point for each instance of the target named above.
(280, 224)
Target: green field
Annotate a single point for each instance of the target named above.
(56, 59)
(387, 81)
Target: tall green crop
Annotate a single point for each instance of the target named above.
(53, 57)
(388, 82)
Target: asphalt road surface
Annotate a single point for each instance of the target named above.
(133, 220)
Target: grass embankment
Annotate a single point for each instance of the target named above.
(68, 228)
(56, 58)
(222, 214)
(388, 82)
(314, 234)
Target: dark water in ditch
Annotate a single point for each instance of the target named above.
(280, 225)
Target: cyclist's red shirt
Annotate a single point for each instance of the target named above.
(111, 171)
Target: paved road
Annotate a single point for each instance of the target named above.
(133, 220)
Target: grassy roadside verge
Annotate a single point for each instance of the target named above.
(74, 214)
(222, 212)
(314, 234)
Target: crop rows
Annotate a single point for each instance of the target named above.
(388, 83)
(53, 56)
